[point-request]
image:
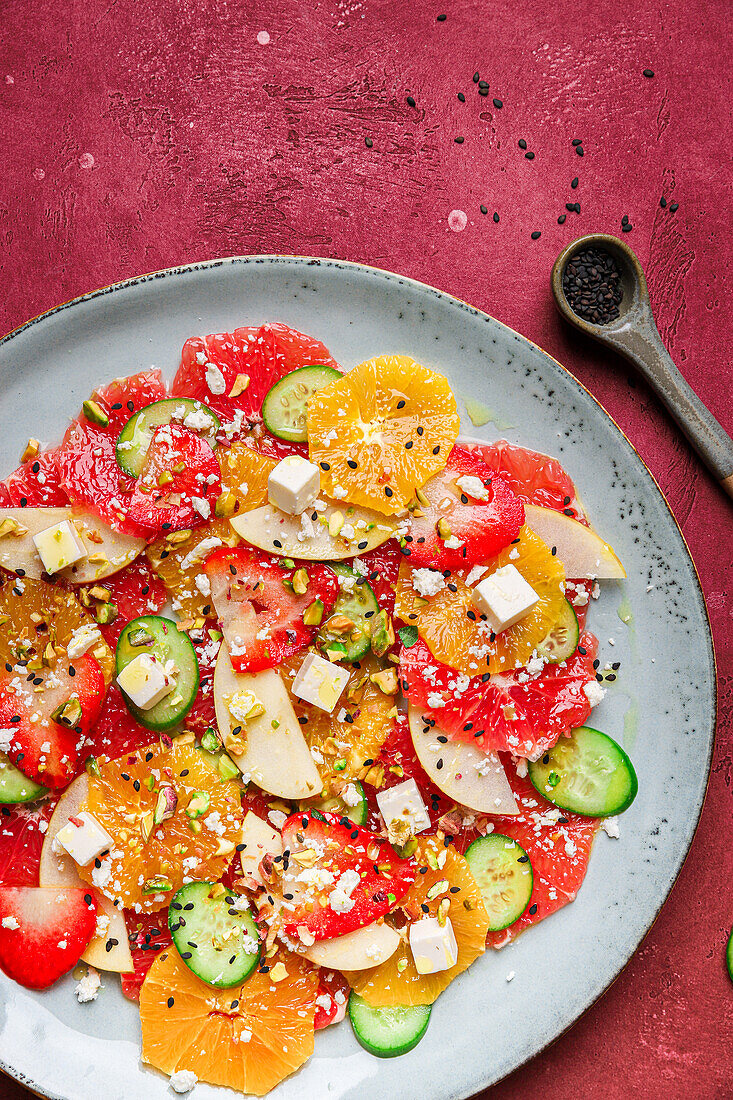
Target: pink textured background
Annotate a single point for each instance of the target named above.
(139, 134)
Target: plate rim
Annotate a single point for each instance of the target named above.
(326, 261)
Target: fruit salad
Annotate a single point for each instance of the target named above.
(294, 703)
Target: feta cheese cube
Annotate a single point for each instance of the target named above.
(504, 598)
(82, 639)
(293, 484)
(433, 945)
(403, 805)
(83, 838)
(58, 546)
(320, 682)
(145, 681)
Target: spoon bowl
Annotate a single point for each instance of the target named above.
(634, 335)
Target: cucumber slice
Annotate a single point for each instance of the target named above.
(729, 955)
(161, 637)
(16, 787)
(562, 641)
(135, 437)
(284, 409)
(357, 813)
(586, 773)
(360, 605)
(216, 939)
(388, 1032)
(504, 875)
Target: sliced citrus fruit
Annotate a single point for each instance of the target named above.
(178, 562)
(457, 635)
(249, 1037)
(346, 743)
(407, 602)
(244, 472)
(381, 431)
(534, 477)
(37, 621)
(396, 981)
(152, 852)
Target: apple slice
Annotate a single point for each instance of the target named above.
(289, 536)
(59, 869)
(488, 791)
(259, 839)
(108, 550)
(276, 756)
(581, 550)
(359, 950)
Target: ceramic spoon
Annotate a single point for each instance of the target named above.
(635, 336)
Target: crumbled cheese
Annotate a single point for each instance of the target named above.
(427, 582)
(215, 379)
(594, 693)
(10, 922)
(88, 988)
(610, 827)
(472, 487)
(341, 900)
(453, 543)
(82, 639)
(183, 1080)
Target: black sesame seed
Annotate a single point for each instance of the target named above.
(171, 1002)
(498, 103)
(580, 150)
(459, 140)
(441, 18)
(662, 202)
(648, 73)
(522, 143)
(536, 235)
(533, 909)
(529, 156)
(410, 101)
(351, 463)
(484, 209)
(561, 219)
(674, 207)
(325, 465)
(368, 142)
(574, 183)
(461, 97)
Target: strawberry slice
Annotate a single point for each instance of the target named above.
(211, 365)
(260, 615)
(354, 879)
(43, 749)
(480, 516)
(43, 932)
(179, 484)
(521, 712)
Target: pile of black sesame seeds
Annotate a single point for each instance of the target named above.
(592, 285)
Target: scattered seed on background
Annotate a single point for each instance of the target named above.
(592, 285)
(368, 142)
(626, 228)
(536, 235)
(574, 183)
(522, 143)
(577, 141)
(674, 207)
(648, 73)
(459, 140)
(442, 18)
(476, 77)
(484, 209)
(498, 103)
(410, 101)
(483, 91)
(462, 97)
(580, 150)
(561, 219)
(496, 215)
(662, 202)
(625, 219)
(529, 156)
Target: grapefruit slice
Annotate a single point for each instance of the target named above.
(580, 549)
(381, 431)
(22, 829)
(249, 1037)
(35, 483)
(396, 981)
(107, 550)
(134, 591)
(536, 478)
(242, 366)
(456, 634)
(148, 861)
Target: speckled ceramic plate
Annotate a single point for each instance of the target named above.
(662, 707)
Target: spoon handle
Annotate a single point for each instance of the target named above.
(644, 347)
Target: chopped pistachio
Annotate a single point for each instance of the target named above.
(335, 523)
(95, 413)
(300, 582)
(32, 450)
(68, 713)
(225, 504)
(382, 633)
(11, 526)
(106, 613)
(313, 614)
(198, 804)
(241, 382)
(444, 530)
(386, 681)
(99, 592)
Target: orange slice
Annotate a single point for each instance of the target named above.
(148, 862)
(249, 1037)
(34, 614)
(396, 981)
(244, 474)
(379, 432)
(357, 729)
(407, 603)
(455, 633)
